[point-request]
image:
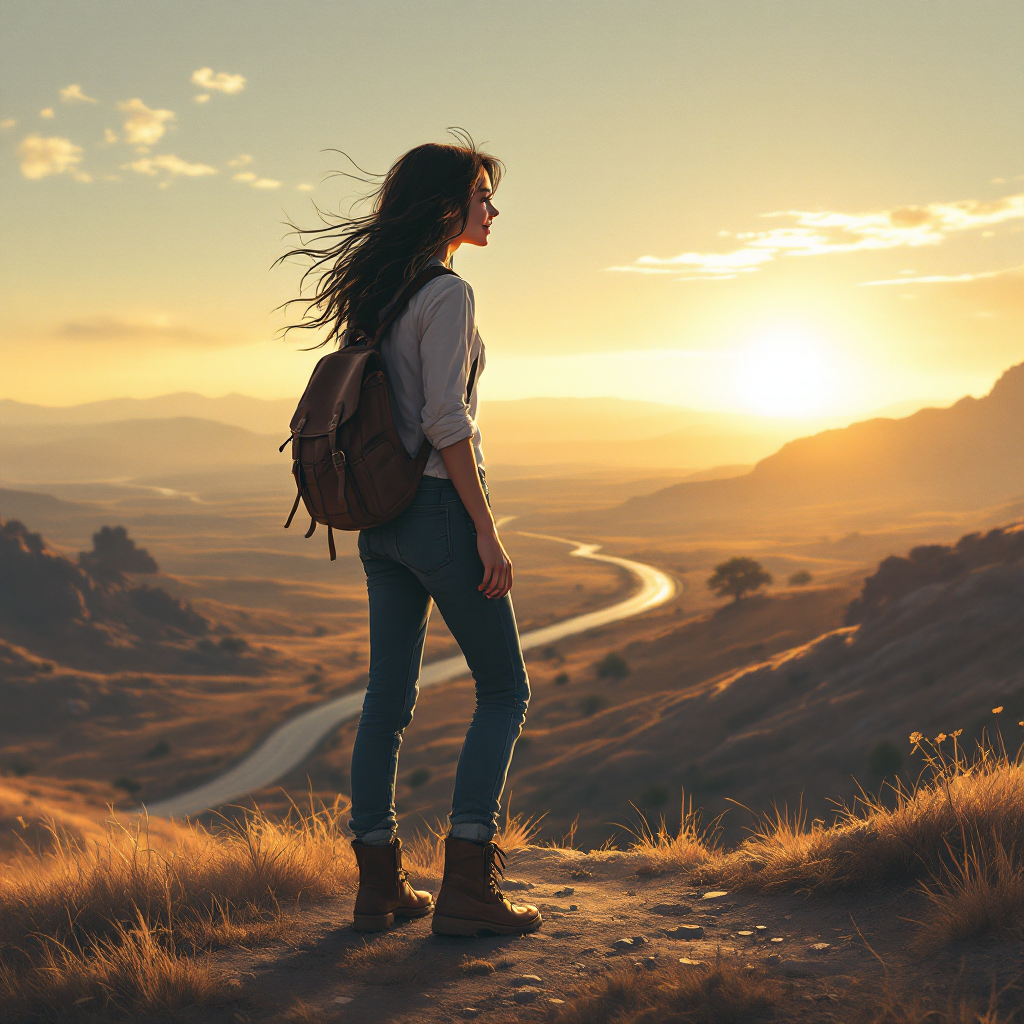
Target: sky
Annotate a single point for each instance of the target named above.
(783, 207)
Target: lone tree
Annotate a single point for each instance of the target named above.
(737, 577)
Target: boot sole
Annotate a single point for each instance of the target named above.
(382, 922)
(442, 925)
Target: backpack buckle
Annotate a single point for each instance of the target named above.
(338, 457)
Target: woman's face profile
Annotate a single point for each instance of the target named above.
(481, 212)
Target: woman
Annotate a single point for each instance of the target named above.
(444, 548)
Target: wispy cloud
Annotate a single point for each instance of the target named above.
(304, 187)
(144, 126)
(173, 165)
(203, 97)
(109, 137)
(42, 157)
(266, 183)
(221, 81)
(8, 122)
(46, 112)
(158, 329)
(245, 176)
(242, 160)
(942, 278)
(73, 94)
(823, 232)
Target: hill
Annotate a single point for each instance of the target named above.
(533, 431)
(91, 615)
(130, 448)
(966, 457)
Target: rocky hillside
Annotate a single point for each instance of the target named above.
(969, 456)
(94, 615)
(927, 654)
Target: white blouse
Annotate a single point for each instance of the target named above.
(429, 352)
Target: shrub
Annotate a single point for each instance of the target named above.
(612, 666)
(738, 577)
(159, 749)
(419, 777)
(114, 553)
(561, 679)
(130, 786)
(592, 703)
(800, 579)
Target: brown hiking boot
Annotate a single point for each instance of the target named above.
(470, 900)
(384, 893)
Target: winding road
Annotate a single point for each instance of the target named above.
(291, 743)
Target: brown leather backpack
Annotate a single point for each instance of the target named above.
(351, 469)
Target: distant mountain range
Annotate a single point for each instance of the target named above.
(967, 456)
(564, 432)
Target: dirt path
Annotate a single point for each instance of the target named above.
(291, 743)
(325, 972)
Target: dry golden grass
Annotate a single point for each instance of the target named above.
(694, 844)
(423, 855)
(117, 923)
(715, 994)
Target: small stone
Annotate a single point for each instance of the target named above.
(512, 883)
(746, 935)
(650, 962)
(773, 960)
(557, 1002)
(574, 906)
(687, 962)
(621, 944)
(342, 1000)
(567, 891)
(820, 947)
(778, 940)
(528, 979)
(630, 892)
(526, 995)
(687, 931)
(760, 927)
(469, 1012)
(788, 917)
(717, 894)
(639, 940)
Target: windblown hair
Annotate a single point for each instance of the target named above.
(360, 263)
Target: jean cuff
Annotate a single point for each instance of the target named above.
(474, 831)
(379, 837)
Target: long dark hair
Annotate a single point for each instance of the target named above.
(360, 263)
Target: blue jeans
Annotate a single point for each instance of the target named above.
(427, 554)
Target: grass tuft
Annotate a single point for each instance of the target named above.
(716, 994)
(661, 850)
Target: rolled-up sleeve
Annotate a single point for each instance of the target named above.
(447, 327)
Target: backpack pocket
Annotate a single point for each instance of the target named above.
(383, 478)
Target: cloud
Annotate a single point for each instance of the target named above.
(304, 187)
(243, 160)
(221, 81)
(203, 97)
(943, 278)
(245, 176)
(266, 183)
(42, 157)
(248, 178)
(73, 94)
(157, 329)
(143, 126)
(46, 112)
(824, 232)
(173, 165)
(109, 137)
(8, 122)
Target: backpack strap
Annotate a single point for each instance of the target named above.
(397, 307)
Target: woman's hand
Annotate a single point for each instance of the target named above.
(460, 462)
(497, 581)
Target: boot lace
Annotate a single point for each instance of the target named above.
(496, 869)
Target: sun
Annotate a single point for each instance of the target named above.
(785, 371)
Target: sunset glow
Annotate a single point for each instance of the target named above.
(786, 372)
